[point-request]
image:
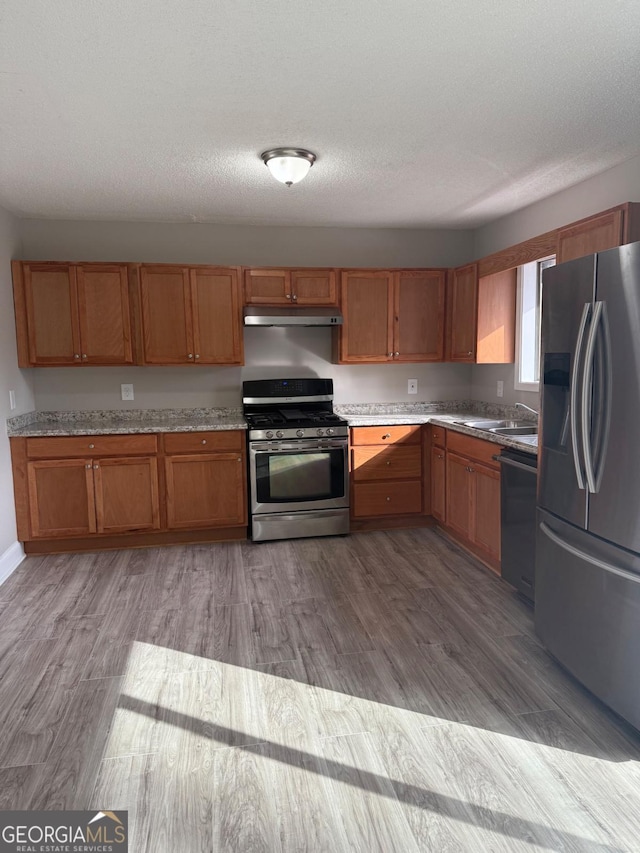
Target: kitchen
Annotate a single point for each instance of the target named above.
(408, 607)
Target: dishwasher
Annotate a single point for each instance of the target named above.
(518, 486)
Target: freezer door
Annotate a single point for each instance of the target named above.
(588, 612)
(614, 509)
(567, 311)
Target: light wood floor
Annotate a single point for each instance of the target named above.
(381, 692)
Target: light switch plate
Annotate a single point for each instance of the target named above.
(412, 386)
(500, 391)
(127, 392)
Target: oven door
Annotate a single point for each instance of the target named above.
(289, 476)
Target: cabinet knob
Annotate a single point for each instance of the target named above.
(239, 458)
(388, 463)
(470, 352)
(84, 355)
(388, 499)
(288, 296)
(390, 355)
(75, 355)
(88, 465)
(204, 441)
(95, 466)
(197, 355)
(190, 355)
(91, 446)
(440, 456)
(386, 435)
(294, 297)
(396, 354)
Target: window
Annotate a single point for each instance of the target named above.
(528, 324)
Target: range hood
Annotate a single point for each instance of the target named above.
(292, 316)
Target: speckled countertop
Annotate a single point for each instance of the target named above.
(136, 421)
(133, 421)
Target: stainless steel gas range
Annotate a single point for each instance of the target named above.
(298, 459)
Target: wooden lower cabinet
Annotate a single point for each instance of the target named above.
(485, 518)
(438, 481)
(144, 490)
(205, 490)
(458, 495)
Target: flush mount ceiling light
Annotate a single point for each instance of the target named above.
(288, 165)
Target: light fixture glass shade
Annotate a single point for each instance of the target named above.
(289, 165)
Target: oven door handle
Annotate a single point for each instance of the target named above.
(297, 446)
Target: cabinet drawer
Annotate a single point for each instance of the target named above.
(439, 436)
(91, 445)
(192, 442)
(399, 462)
(473, 448)
(407, 434)
(395, 498)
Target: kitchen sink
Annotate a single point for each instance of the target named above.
(523, 429)
(491, 425)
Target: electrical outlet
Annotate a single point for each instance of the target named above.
(412, 386)
(500, 391)
(127, 392)
(12, 400)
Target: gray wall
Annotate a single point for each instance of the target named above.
(269, 352)
(612, 187)
(11, 378)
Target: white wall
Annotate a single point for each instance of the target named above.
(11, 378)
(268, 351)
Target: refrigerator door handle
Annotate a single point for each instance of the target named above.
(589, 558)
(573, 403)
(585, 408)
(605, 414)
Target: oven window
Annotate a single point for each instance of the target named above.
(313, 475)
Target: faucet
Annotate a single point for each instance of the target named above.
(528, 408)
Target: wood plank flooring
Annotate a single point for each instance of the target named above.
(381, 692)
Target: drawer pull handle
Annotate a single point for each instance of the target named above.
(91, 446)
(388, 463)
(386, 435)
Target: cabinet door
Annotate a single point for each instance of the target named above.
(367, 305)
(61, 498)
(267, 287)
(438, 481)
(126, 494)
(206, 490)
(419, 316)
(592, 235)
(103, 307)
(462, 308)
(314, 287)
(485, 530)
(167, 336)
(51, 302)
(458, 491)
(217, 316)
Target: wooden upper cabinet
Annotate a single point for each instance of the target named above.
(462, 306)
(367, 305)
(419, 304)
(190, 315)
(104, 314)
(217, 316)
(72, 314)
(290, 287)
(167, 325)
(496, 325)
(595, 234)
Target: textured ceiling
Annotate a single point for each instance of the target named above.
(423, 113)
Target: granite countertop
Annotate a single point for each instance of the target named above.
(125, 423)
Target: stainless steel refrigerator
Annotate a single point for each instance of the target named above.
(588, 532)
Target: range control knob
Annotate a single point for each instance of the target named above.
(299, 433)
(279, 434)
(320, 432)
(269, 434)
(330, 431)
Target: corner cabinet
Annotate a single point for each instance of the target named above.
(190, 315)
(391, 316)
(72, 314)
(268, 286)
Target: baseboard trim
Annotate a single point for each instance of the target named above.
(10, 560)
